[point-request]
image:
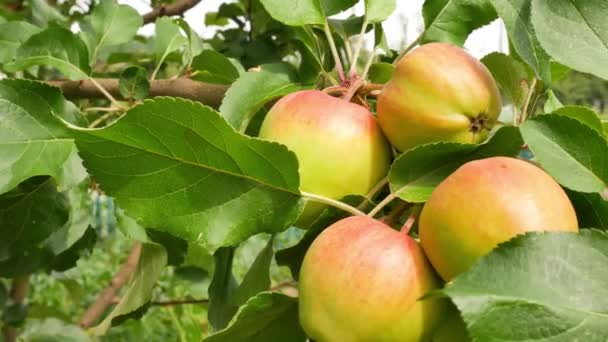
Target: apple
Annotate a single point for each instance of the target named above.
(438, 92)
(340, 148)
(486, 202)
(361, 280)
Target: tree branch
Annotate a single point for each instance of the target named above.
(106, 297)
(176, 8)
(207, 93)
(18, 293)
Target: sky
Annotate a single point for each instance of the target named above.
(405, 23)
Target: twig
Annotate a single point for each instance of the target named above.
(409, 47)
(207, 93)
(18, 293)
(107, 295)
(176, 8)
(333, 203)
(334, 52)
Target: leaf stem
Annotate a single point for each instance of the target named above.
(370, 195)
(353, 65)
(105, 93)
(333, 203)
(382, 204)
(409, 47)
(524, 111)
(368, 64)
(334, 52)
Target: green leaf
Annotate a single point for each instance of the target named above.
(43, 13)
(113, 24)
(331, 7)
(378, 10)
(55, 47)
(53, 330)
(12, 35)
(292, 257)
(14, 314)
(550, 286)
(221, 290)
(591, 209)
(29, 214)
(570, 151)
(176, 248)
(33, 141)
(297, 13)
(266, 317)
(194, 46)
(250, 92)
(415, 173)
(511, 76)
(583, 114)
(553, 103)
(134, 83)
(3, 295)
(580, 23)
(381, 72)
(168, 38)
(213, 67)
(257, 278)
(453, 20)
(516, 16)
(162, 155)
(138, 292)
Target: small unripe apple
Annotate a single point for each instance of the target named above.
(341, 149)
(361, 280)
(438, 92)
(486, 202)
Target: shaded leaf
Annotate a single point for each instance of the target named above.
(298, 13)
(511, 76)
(378, 10)
(134, 84)
(553, 103)
(550, 285)
(583, 114)
(12, 35)
(381, 72)
(213, 67)
(221, 290)
(591, 209)
(257, 278)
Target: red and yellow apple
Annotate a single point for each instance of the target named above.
(361, 280)
(486, 202)
(438, 92)
(340, 147)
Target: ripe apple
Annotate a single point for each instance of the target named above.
(361, 280)
(438, 92)
(486, 202)
(341, 149)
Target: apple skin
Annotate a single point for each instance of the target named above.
(341, 149)
(438, 92)
(486, 202)
(360, 281)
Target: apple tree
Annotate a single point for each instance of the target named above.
(417, 194)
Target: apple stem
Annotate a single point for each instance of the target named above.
(405, 229)
(334, 52)
(353, 65)
(409, 47)
(353, 89)
(335, 89)
(332, 202)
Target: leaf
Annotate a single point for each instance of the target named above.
(378, 10)
(53, 330)
(113, 24)
(570, 151)
(510, 74)
(55, 47)
(33, 142)
(550, 286)
(415, 173)
(176, 248)
(292, 257)
(381, 72)
(580, 23)
(177, 166)
(3, 295)
(168, 38)
(553, 103)
(43, 13)
(250, 92)
(257, 278)
(12, 35)
(151, 263)
(221, 290)
(134, 83)
(14, 314)
(591, 209)
(298, 13)
(331, 7)
(194, 46)
(453, 20)
(266, 317)
(213, 67)
(583, 114)
(516, 16)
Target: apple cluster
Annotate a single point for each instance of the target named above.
(362, 280)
